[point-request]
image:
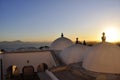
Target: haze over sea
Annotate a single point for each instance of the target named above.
(14, 45)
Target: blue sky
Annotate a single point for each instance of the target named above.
(45, 20)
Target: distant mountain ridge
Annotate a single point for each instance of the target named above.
(13, 45)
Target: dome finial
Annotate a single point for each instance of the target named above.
(103, 37)
(84, 42)
(62, 35)
(76, 41)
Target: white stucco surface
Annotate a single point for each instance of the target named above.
(34, 58)
(73, 53)
(61, 43)
(103, 57)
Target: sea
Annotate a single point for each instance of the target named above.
(14, 45)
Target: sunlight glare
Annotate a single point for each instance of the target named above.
(111, 34)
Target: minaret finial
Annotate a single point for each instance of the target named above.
(103, 37)
(84, 42)
(62, 35)
(76, 41)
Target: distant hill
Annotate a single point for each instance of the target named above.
(13, 45)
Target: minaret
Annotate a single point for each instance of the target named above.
(62, 35)
(84, 42)
(103, 37)
(76, 41)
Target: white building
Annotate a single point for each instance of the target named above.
(61, 43)
(73, 53)
(101, 59)
(21, 59)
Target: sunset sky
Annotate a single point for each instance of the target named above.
(45, 20)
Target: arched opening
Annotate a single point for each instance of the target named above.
(12, 72)
(42, 67)
(28, 72)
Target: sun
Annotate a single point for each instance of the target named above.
(112, 34)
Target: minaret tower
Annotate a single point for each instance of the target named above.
(76, 41)
(62, 35)
(103, 37)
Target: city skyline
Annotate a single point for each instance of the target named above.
(44, 20)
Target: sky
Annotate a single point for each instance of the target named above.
(45, 20)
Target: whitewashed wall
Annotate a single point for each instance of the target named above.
(0, 66)
(20, 59)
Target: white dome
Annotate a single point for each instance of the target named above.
(73, 54)
(104, 57)
(61, 43)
